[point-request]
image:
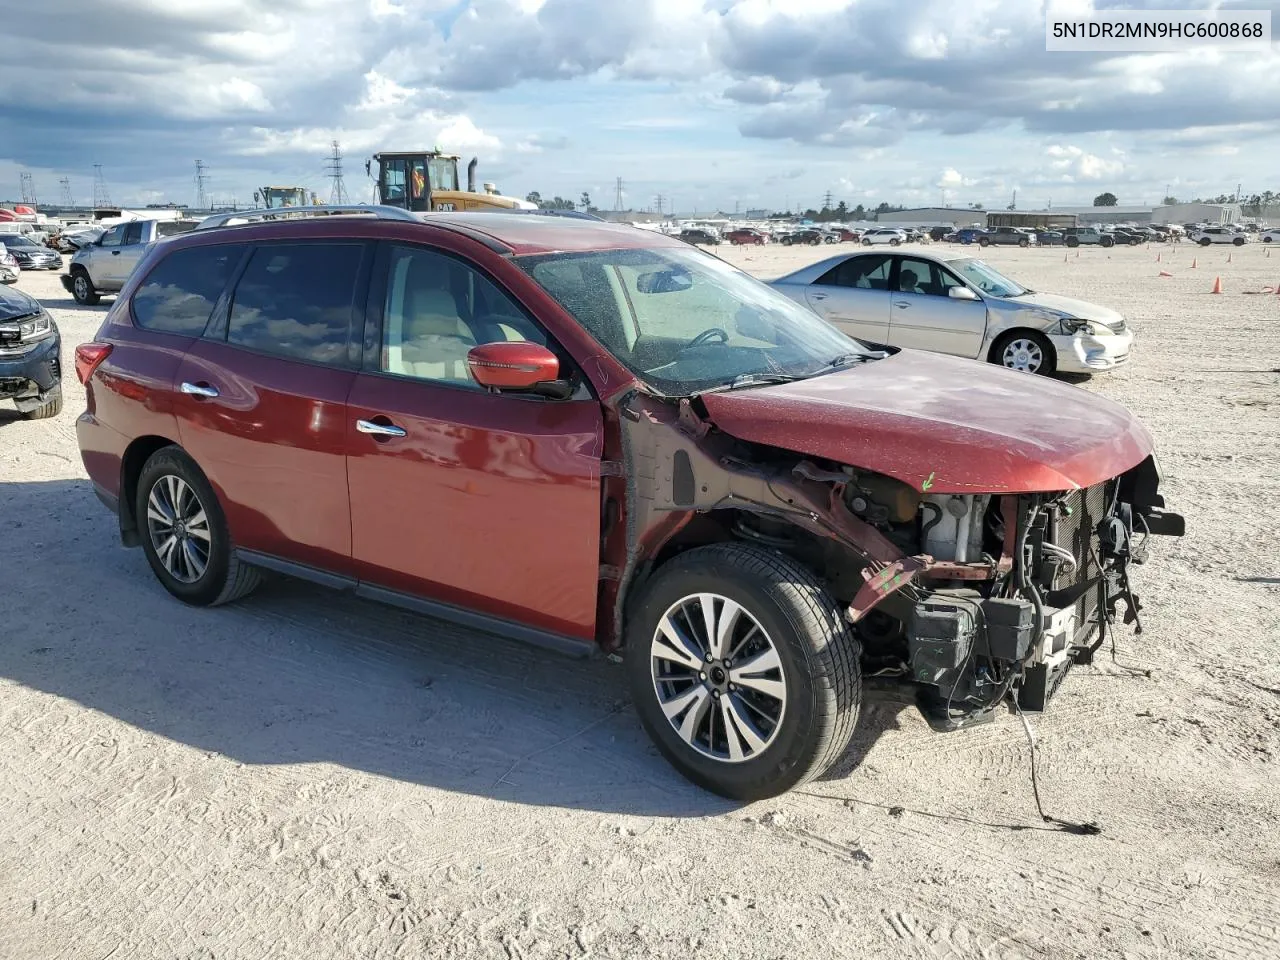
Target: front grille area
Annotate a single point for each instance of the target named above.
(1078, 532)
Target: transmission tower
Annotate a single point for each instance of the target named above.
(339, 192)
(658, 201)
(101, 196)
(617, 195)
(65, 184)
(202, 200)
(28, 188)
(826, 201)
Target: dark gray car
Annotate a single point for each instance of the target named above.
(29, 254)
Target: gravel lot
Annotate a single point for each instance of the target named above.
(308, 775)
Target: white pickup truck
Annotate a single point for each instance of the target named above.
(105, 265)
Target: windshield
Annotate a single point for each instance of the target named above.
(17, 240)
(986, 278)
(684, 321)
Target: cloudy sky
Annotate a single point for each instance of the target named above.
(710, 103)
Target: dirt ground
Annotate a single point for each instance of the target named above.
(308, 775)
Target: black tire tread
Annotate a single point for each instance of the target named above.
(833, 667)
(46, 411)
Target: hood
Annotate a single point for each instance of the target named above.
(942, 424)
(15, 303)
(1055, 307)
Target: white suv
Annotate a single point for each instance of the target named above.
(1209, 235)
(884, 235)
(1269, 236)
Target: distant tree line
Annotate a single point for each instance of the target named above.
(1252, 205)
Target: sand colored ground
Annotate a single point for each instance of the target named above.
(305, 775)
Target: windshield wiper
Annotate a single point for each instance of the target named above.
(753, 380)
(846, 358)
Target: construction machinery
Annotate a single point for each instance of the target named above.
(276, 197)
(422, 180)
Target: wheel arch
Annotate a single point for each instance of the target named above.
(997, 345)
(135, 457)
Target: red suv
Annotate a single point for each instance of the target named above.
(594, 437)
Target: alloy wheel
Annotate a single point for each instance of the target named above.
(718, 678)
(179, 528)
(1023, 354)
(82, 286)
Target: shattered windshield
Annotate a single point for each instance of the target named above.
(685, 322)
(986, 278)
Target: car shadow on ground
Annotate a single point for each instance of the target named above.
(69, 303)
(299, 674)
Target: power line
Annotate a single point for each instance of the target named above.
(202, 202)
(101, 196)
(28, 188)
(65, 184)
(339, 192)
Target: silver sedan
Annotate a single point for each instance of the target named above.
(956, 304)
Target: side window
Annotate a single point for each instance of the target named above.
(295, 300)
(113, 236)
(865, 273)
(132, 234)
(171, 228)
(438, 308)
(179, 294)
(925, 277)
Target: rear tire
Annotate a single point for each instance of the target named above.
(82, 289)
(184, 533)
(1205, 241)
(789, 627)
(1024, 243)
(1073, 242)
(1238, 241)
(1106, 242)
(49, 409)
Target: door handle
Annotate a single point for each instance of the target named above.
(379, 429)
(818, 296)
(901, 304)
(115, 253)
(199, 390)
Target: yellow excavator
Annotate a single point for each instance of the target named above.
(422, 180)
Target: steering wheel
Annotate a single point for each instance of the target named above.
(706, 336)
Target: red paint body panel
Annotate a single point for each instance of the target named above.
(490, 502)
(130, 395)
(524, 234)
(273, 444)
(970, 426)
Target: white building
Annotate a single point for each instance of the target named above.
(934, 217)
(1197, 213)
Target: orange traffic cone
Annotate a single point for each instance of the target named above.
(1228, 258)
(1077, 254)
(1217, 285)
(1157, 258)
(1064, 257)
(1165, 273)
(1193, 263)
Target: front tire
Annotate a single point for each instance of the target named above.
(1238, 241)
(82, 289)
(184, 533)
(1025, 350)
(50, 408)
(1024, 243)
(743, 671)
(1205, 241)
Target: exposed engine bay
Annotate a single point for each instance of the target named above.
(961, 601)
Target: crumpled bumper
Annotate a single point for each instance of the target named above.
(31, 375)
(1085, 353)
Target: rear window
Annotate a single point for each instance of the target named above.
(179, 294)
(171, 228)
(295, 300)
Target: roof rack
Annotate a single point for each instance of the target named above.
(377, 211)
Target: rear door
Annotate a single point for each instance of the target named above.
(263, 399)
(100, 258)
(927, 318)
(481, 500)
(854, 296)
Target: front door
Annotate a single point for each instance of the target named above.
(485, 501)
(262, 400)
(926, 317)
(853, 296)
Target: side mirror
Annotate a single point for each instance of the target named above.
(513, 365)
(962, 293)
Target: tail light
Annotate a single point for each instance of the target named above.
(88, 358)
